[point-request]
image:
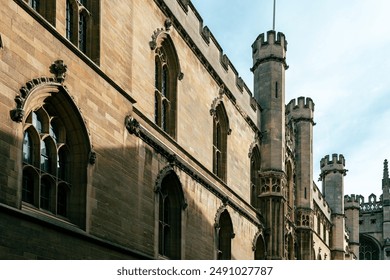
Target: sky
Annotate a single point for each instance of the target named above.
(338, 53)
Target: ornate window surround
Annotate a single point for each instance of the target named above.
(50, 99)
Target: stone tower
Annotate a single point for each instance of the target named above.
(269, 65)
(386, 210)
(352, 209)
(300, 115)
(332, 176)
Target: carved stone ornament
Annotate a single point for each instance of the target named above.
(159, 31)
(132, 125)
(17, 113)
(58, 68)
(92, 157)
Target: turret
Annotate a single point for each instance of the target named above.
(386, 208)
(301, 112)
(352, 209)
(269, 65)
(332, 176)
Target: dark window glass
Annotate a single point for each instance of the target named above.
(62, 200)
(35, 4)
(28, 188)
(83, 33)
(45, 194)
(69, 21)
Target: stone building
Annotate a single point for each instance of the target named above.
(373, 231)
(127, 133)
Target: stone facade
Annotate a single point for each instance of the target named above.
(127, 133)
(370, 221)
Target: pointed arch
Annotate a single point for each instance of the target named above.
(59, 140)
(167, 74)
(255, 164)
(290, 193)
(369, 248)
(259, 246)
(220, 132)
(171, 204)
(224, 234)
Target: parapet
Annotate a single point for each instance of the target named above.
(352, 201)
(272, 38)
(336, 160)
(337, 163)
(300, 109)
(269, 47)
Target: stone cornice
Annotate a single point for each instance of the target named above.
(134, 127)
(270, 58)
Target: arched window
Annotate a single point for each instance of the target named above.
(290, 186)
(225, 234)
(54, 162)
(220, 133)
(368, 250)
(165, 86)
(254, 169)
(260, 249)
(170, 211)
(82, 26)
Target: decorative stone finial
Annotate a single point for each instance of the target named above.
(58, 68)
(132, 125)
(385, 170)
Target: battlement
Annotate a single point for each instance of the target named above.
(337, 160)
(271, 38)
(353, 198)
(270, 47)
(352, 201)
(300, 109)
(373, 204)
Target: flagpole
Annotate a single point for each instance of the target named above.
(273, 26)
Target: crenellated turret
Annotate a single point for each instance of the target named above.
(332, 176)
(269, 65)
(301, 110)
(352, 209)
(273, 47)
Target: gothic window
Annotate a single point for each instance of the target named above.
(260, 250)
(42, 149)
(165, 87)
(82, 26)
(254, 177)
(220, 133)
(46, 8)
(55, 161)
(170, 211)
(225, 235)
(290, 186)
(368, 250)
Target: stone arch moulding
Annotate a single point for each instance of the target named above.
(167, 170)
(259, 234)
(220, 210)
(40, 88)
(159, 36)
(217, 102)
